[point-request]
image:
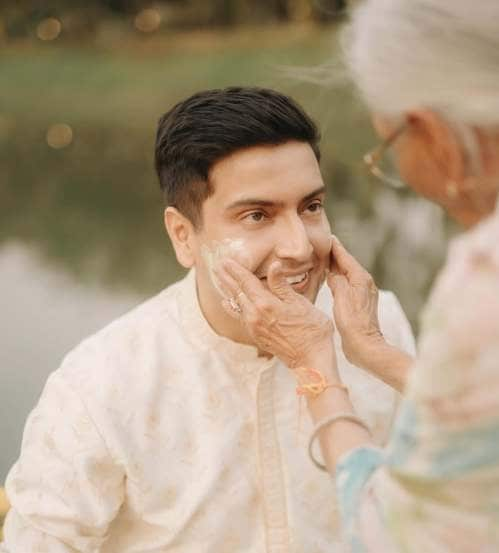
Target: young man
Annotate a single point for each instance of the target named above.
(168, 431)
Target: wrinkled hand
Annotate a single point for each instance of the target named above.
(355, 305)
(279, 320)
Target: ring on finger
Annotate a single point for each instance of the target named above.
(234, 305)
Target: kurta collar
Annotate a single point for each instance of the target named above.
(207, 339)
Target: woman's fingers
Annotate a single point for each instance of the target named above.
(337, 283)
(225, 282)
(248, 309)
(240, 308)
(278, 320)
(343, 261)
(232, 309)
(277, 282)
(355, 305)
(245, 280)
(247, 298)
(333, 268)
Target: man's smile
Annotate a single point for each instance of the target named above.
(298, 280)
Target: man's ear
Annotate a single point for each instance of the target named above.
(182, 234)
(433, 136)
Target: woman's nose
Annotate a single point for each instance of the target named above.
(294, 242)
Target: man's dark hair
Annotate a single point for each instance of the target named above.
(210, 125)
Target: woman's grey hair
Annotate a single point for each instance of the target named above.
(436, 54)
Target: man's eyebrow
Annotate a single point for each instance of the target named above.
(256, 202)
(316, 192)
(259, 202)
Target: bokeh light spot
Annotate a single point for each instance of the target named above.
(49, 29)
(148, 20)
(59, 136)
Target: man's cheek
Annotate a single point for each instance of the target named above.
(215, 251)
(320, 238)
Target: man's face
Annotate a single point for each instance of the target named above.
(269, 200)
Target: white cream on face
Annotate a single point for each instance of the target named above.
(214, 254)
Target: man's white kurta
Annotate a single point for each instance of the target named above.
(156, 435)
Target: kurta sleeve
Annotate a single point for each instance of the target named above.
(436, 486)
(394, 323)
(66, 488)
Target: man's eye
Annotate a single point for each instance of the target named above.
(315, 206)
(255, 216)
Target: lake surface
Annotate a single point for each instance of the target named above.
(44, 314)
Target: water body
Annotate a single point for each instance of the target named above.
(44, 313)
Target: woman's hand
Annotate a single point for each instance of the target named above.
(355, 304)
(356, 317)
(286, 324)
(279, 320)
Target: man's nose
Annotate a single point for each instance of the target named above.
(294, 242)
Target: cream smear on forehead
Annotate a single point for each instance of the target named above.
(219, 250)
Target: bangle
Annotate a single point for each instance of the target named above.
(326, 422)
(312, 382)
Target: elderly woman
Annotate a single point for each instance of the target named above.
(429, 71)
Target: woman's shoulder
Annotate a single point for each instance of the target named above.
(481, 242)
(459, 339)
(465, 297)
(473, 258)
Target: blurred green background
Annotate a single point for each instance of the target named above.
(82, 85)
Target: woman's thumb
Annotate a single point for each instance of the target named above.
(277, 282)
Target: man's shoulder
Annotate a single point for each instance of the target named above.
(131, 339)
(142, 319)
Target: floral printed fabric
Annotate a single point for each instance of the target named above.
(435, 489)
(157, 435)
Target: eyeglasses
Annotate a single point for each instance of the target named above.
(373, 160)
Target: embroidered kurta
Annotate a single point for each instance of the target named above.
(436, 487)
(157, 435)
